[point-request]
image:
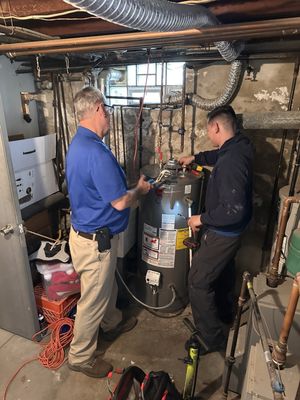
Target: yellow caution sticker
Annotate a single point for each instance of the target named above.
(182, 234)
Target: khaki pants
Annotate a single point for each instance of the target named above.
(97, 303)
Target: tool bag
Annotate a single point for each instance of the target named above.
(134, 384)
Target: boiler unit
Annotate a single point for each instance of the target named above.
(164, 260)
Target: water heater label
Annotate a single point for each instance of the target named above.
(167, 248)
(168, 221)
(151, 242)
(187, 189)
(151, 230)
(182, 234)
(150, 256)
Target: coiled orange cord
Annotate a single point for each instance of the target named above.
(53, 355)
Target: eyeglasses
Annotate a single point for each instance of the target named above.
(109, 109)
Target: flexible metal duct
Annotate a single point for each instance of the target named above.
(235, 74)
(234, 77)
(156, 15)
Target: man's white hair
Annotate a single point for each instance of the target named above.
(86, 100)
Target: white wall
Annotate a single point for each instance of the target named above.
(11, 85)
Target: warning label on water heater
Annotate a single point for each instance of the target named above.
(182, 234)
(167, 248)
(159, 251)
(150, 241)
(168, 221)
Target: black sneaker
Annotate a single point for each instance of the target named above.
(96, 368)
(124, 326)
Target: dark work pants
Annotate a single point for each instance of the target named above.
(211, 285)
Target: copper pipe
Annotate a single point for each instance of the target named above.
(269, 28)
(272, 277)
(280, 349)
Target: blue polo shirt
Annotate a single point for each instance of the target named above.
(94, 179)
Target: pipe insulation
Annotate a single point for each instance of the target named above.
(157, 15)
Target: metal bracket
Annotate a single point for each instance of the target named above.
(9, 229)
(6, 230)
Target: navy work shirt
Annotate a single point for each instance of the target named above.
(94, 180)
(228, 202)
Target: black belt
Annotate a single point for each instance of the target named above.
(90, 236)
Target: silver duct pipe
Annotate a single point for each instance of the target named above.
(156, 15)
(229, 91)
(107, 75)
(234, 77)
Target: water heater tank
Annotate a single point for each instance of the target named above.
(293, 259)
(163, 257)
(293, 223)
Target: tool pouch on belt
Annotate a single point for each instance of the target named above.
(103, 239)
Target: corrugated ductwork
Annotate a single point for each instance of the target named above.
(234, 77)
(226, 97)
(156, 15)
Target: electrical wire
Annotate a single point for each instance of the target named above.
(144, 304)
(52, 355)
(14, 376)
(39, 16)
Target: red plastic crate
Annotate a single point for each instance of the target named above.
(54, 309)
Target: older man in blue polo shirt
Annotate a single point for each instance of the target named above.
(100, 204)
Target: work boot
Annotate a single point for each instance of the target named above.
(96, 368)
(124, 326)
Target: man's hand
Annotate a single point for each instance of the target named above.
(143, 186)
(186, 160)
(195, 222)
(132, 195)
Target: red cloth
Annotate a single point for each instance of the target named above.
(62, 285)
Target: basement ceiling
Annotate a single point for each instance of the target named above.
(56, 18)
(36, 20)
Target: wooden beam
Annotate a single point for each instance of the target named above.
(230, 11)
(27, 8)
(77, 27)
(270, 120)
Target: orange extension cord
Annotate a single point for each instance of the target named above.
(52, 355)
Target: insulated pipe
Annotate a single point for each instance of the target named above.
(272, 277)
(156, 15)
(280, 349)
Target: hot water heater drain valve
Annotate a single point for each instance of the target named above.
(153, 277)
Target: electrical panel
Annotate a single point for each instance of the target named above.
(32, 161)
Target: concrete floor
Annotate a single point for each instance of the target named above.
(155, 344)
